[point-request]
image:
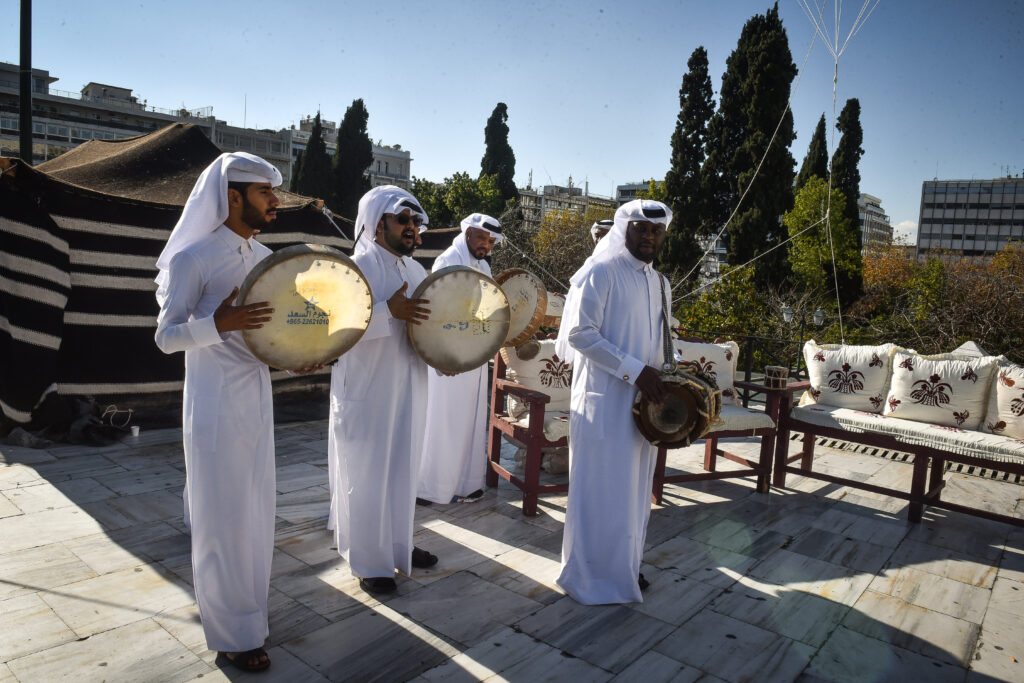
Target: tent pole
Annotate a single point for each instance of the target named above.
(25, 120)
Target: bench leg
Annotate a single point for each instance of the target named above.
(710, 455)
(658, 485)
(531, 479)
(917, 488)
(807, 456)
(935, 477)
(765, 463)
(781, 456)
(493, 455)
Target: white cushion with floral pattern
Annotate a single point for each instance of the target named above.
(855, 377)
(1005, 414)
(943, 389)
(717, 361)
(545, 372)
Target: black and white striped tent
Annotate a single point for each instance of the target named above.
(79, 239)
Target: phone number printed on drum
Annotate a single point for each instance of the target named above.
(311, 316)
(474, 327)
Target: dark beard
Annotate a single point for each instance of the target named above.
(252, 217)
(398, 245)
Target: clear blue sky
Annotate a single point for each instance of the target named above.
(592, 88)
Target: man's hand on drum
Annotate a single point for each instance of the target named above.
(308, 370)
(411, 311)
(248, 317)
(650, 384)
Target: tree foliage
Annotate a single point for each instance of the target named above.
(811, 252)
(354, 156)
(499, 159)
(459, 195)
(313, 176)
(754, 100)
(655, 191)
(943, 302)
(562, 244)
(683, 191)
(846, 160)
(816, 161)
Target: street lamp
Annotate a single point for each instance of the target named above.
(818, 317)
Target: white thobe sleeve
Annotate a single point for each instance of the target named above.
(586, 335)
(380, 322)
(174, 329)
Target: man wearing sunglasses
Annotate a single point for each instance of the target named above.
(454, 460)
(378, 413)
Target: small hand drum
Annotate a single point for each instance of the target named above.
(321, 301)
(556, 304)
(691, 409)
(527, 302)
(468, 323)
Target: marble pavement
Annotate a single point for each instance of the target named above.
(814, 582)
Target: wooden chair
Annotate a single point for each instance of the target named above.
(533, 438)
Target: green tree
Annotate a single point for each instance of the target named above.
(656, 191)
(846, 160)
(354, 156)
(811, 252)
(754, 100)
(499, 159)
(296, 169)
(683, 181)
(563, 243)
(313, 177)
(459, 195)
(816, 161)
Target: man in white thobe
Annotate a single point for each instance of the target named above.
(454, 455)
(599, 229)
(228, 425)
(612, 331)
(378, 413)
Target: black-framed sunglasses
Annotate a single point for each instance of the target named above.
(404, 218)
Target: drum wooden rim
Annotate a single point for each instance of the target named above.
(498, 324)
(537, 317)
(703, 401)
(254, 338)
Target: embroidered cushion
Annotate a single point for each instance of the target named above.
(717, 361)
(1005, 414)
(855, 377)
(544, 372)
(943, 389)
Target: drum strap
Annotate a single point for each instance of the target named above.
(670, 361)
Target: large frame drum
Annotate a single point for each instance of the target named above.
(468, 323)
(527, 302)
(322, 306)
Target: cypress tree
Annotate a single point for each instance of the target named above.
(293, 183)
(846, 178)
(313, 177)
(354, 156)
(754, 97)
(845, 161)
(816, 161)
(499, 159)
(683, 180)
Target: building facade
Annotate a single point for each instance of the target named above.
(971, 218)
(537, 203)
(62, 120)
(391, 164)
(875, 228)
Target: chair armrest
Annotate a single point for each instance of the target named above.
(756, 387)
(518, 390)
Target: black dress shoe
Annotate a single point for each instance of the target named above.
(421, 559)
(378, 584)
(644, 583)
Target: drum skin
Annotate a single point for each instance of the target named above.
(553, 314)
(527, 302)
(691, 410)
(322, 306)
(468, 323)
